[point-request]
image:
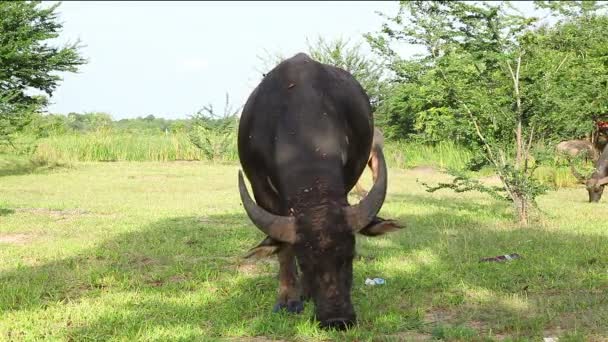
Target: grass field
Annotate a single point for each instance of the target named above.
(152, 251)
(114, 146)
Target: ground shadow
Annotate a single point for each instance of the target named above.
(184, 278)
(6, 211)
(15, 167)
(488, 207)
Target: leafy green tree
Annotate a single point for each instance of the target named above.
(563, 76)
(28, 61)
(568, 73)
(48, 125)
(471, 75)
(215, 134)
(89, 122)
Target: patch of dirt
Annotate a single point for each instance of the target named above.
(155, 283)
(60, 214)
(143, 261)
(406, 336)
(424, 170)
(177, 278)
(253, 339)
(477, 325)
(53, 212)
(438, 315)
(183, 161)
(248, 269)
(16, 239)
(155, 177)
(205, 219)
(491, 180)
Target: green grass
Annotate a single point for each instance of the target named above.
(152, 252)
(443, 155)
(118, 147)
(110, 146)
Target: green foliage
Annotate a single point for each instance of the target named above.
(215, 135)
(568, 77)
(14, 116)
(27, 61)
(563, 81)
(463, 183)
(89, 122)
(467, 87)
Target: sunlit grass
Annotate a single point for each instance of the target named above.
(118, 147)
(112, 146)
(152, 251)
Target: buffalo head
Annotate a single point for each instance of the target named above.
(595, 184)
(323, 239)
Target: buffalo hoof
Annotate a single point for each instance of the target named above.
(337, 324)
(292, 306)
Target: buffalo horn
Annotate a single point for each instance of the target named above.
(360, 215)
(281, 228)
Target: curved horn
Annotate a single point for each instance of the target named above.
(578, 176)
(603, 181)
(360, 215)
(282, 228)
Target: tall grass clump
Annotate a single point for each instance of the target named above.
(122, 147)
(556, 176)
(402, 154)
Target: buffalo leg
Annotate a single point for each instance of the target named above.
(289, 292)
(306, 284)
(373, 166)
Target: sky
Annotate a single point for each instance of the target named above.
(170, 59)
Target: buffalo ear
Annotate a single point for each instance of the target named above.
(264, 249)
(379, 227)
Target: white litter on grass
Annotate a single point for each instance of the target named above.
(550, 339)
(375, 281)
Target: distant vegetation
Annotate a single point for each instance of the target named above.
(92, 137)
(427, 105)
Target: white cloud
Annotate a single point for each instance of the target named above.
(192, 64)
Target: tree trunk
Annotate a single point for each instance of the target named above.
(522, 209)
(519, 138)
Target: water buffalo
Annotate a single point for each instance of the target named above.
(572, 148)
(597, 180)
(377, 141)
(304, 138)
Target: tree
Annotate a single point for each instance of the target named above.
(89, 122)
(472, 74)
(28, 62)
(215, 134)
(564, 75)
(567, 99)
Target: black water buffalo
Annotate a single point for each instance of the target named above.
(598, 179)
(572, 148)
(305, 135)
